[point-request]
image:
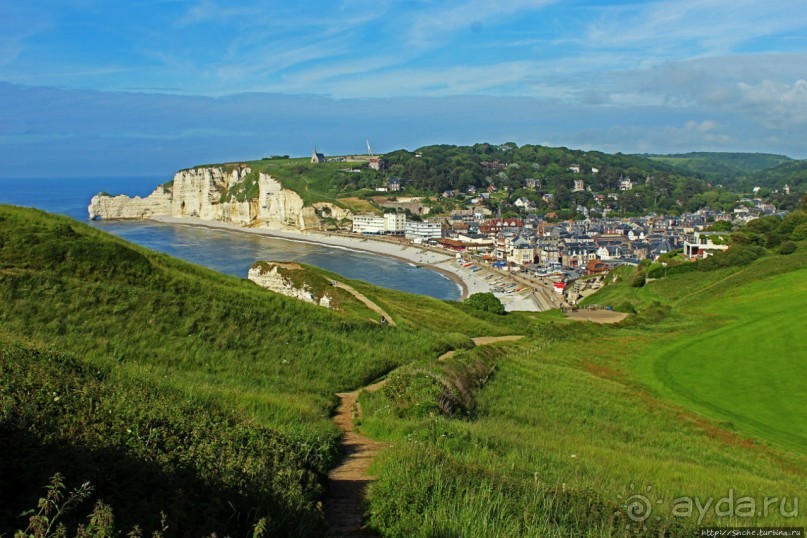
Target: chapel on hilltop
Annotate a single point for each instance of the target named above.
(317, 157)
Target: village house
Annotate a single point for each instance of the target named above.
(494, 226)
(611, 252)
(596, 267)
(523, 203)
(520, 251)
(704, 244)
(625, 183)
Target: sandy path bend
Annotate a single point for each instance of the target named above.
(597, 316)
(483, 341)
(344, 504)
(361, 297)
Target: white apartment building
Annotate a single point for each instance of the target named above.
(389, 223)
(394, 223)
(423, 231)
(368, 224)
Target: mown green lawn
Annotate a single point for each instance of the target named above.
(751, 370)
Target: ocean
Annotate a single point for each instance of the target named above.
(228, 252)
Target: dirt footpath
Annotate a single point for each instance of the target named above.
(344, 504)
(597, 316)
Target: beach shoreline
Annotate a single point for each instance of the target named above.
(440, 262)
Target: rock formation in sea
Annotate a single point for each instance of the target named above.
(292, 280)
(233, 194)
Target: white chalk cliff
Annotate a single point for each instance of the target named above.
(213, 193)
(268, 275)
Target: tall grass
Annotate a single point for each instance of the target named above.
(178, 345)
(566, 421)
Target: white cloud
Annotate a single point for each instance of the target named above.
(681, 28)
(779, 105)
(432, 26)
(702, 127)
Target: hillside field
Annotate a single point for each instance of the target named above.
(740, 355)
(575, 420)
(152, 377)
(152, 374)
(750, 370)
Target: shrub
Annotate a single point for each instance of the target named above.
(655, 270)
(737, 255)
(686, 267)
(486, 302)
(788, 247)
(638, 280)
(626, 306)
(799, 232)
(445, 388)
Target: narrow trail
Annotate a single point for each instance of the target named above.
(370, 304)
(344, 504)
(597, 316)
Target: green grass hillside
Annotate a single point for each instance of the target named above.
(330, 182)
(723, 165)
(211, 397)
(699, 395)
(738, 354)
(146, 368)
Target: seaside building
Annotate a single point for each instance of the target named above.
(423, 231)
(389, 223)
(394, 223)
(520, 251)
(368, 224)
(705, 244)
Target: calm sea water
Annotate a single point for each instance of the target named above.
(227, 252)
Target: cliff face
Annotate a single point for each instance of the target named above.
(277, 277)
(217, 194)
(103, 206)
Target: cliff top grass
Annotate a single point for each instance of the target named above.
(116, 303)
(153, 337)
(311, 279)
(313, 182)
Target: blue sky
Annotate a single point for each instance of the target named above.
(93, 87)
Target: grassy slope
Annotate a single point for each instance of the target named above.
(749, 370)
(723, 165)
(737, 355)
(147, 320)
(568, 426)
(313, 182)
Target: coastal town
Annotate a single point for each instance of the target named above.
(536, 243)
(535, 253)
